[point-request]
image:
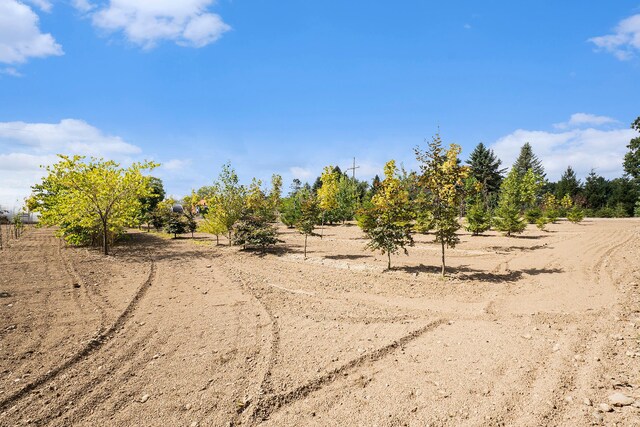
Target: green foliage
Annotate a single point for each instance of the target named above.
(485, 168)
(620, 211)
(636, 210)
(150, 202)
(575, 214)
(596, 191)
(632, 157)
(274, 198)
(532, 215)
(528, 161)
(551, 207)
(569, 184)
(92, 198)
(478, 218)
(253, 231)
(386, 220)
(309, 218)
(442, 180)
(542, 222)
(290, 210)
(176, 224)
(227, 204)
(508, 214)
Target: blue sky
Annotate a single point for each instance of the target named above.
(288, 87)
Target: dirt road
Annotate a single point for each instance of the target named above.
(528, 331)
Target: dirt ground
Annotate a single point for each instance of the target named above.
(536, 330)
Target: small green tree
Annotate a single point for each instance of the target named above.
(575, 214)
(386, 220)
(508, 217)
(290, 211)
(309, 217)
(443, 179)
(228, 203)
(478, 218)
(253, 231)
(176, 224)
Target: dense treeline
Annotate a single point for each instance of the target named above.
(93, 202)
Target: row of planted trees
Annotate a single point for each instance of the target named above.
(93, 202)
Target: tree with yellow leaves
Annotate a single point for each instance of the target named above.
(328, 192)
(442, 180)
(387, 219)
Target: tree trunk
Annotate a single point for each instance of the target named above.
(229, 237)
(388, 260)
(443, 265)
(217, 240)
(105, 237)
(322, 228)
(305, 246)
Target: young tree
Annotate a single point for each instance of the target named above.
(508, 218)
(328, 192)
(443, 179)
(274, 197)
(527, 160)
(386, 220)
(98, 195)
(176, 224)
(309, 216)
(575, 215)
(596, 191)
(228, 204)
(150, 203)
(485, 168)
(254, 231)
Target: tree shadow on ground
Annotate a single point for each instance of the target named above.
(158, 249)
(351, 257)
(466, 273)
(517, 248)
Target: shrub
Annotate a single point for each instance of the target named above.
(532, 215)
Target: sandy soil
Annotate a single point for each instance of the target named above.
(530, 331)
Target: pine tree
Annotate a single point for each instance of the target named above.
(596, 191)
(485, 168)
(443, 180)
(478, 218)
(569, 184)
(527, 160)
(508, 217)
(575, 214)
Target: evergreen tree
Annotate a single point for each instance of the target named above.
(596, 191)
(508, 217)
(443, 179)
(527, 160)
(485, 168)
(150, 202)
(478, 218)
(176, 224)
(569, 184)
(253, 231)
(575, 214)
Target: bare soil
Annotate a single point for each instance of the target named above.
(533, 330)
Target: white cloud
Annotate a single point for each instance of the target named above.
(582, 149)
(585, 119)
(10, 71)
(176, 164)
(44, 5)
(146, 22)
(68, 136)
(24, 147)
(20, 36)
(82, 5)
(624, 43)
(300, 173)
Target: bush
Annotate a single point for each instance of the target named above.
(575, 215)
(254, 232)
(532, 215)
(605, 212)
(542, 222)
(176, 224)
(636, 211)
(620, 211)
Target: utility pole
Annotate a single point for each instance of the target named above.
(353, 168)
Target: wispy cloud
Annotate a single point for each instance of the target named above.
(585, 119)
(20, 36)
(10, 71)
(624, 43)
(147, 22)
(582, 149)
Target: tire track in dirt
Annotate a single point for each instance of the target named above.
(267, 406)
(93, 345)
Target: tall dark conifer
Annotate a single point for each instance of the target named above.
(569, 184)
(485, 168)
(527, 160)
